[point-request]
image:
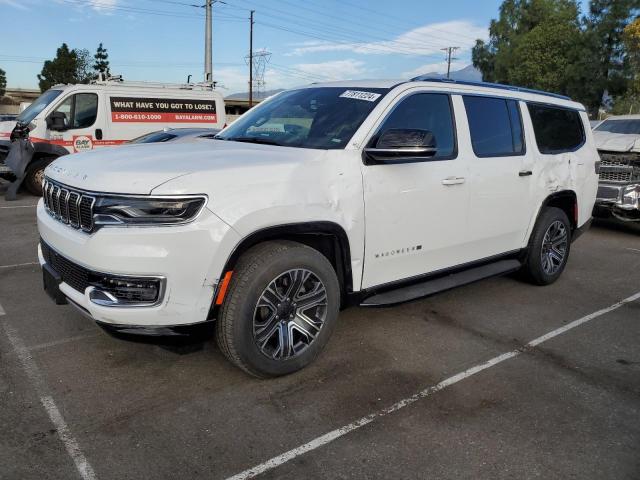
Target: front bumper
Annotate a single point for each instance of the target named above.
(189, 259)
(621, 200)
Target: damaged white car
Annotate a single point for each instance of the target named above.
(618, 143)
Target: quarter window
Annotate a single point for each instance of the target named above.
(426, 111)
(557, 129)
(495, 125)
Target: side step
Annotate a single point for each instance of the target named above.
(440, 284)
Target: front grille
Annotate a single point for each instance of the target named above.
(619, 167)
(615, 176)
(72, 274)
(69, 206)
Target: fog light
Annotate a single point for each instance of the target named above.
(631, 197)
(126, 291)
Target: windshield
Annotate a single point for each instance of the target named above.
(324, 118)
(154, 137)
(36, 107)
(629, 127)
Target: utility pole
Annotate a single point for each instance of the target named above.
(251, 59)
(449, 51)
(208, 73)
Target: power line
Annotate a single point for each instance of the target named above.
(398, 21)
(349, 37)
(351, 21)
(146, 11)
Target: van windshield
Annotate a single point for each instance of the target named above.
(323, 118)
(38, 105)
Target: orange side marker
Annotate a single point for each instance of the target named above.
(223, 287)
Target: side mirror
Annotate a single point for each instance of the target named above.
(57, 121)
(399, 145)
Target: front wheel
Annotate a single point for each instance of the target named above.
(35, 176)
(549, 247)
(280, 310)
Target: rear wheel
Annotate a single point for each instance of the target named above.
(549, 247)
(280, 310)
(35, 175)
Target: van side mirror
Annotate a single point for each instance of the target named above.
(398, 145)
(57, 121)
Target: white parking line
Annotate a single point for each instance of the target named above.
(634, 249)
(55, 343)
(21, 206)
(339, 432)
(19, 265)
(33, 373)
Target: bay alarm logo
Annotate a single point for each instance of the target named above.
(82, 143)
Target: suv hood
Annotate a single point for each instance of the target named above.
(616, 142)
(138, 169)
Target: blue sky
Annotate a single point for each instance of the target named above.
(310, 40)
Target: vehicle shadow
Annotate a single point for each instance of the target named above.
(620, 226)
(190, 340)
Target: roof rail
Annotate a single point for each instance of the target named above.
(119, 80)
(426, 78)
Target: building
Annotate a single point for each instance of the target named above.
(14, 97)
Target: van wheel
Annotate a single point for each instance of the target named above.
(280, 310)
(35, 175)
(549, 247)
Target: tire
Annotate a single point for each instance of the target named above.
(546, 260)
(257, 304)
(35, 174)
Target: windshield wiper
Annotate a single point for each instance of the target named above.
(264, 141)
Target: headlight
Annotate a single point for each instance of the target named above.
(146, 210)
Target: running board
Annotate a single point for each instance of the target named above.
(440, 284)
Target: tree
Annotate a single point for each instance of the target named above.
(604, 28)
(84, 72)
(545, 44)
(3, 82)
(531, 43)
(101, 57)
(62, 69)
(630, 102)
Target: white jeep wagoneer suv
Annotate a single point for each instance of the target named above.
(367, 192)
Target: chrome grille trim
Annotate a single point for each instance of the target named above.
(64, 205)
(69, 206)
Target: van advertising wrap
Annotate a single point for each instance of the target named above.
(128, 109)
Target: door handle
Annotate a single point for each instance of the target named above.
(453, 180)
(525, 173)
(98, 134)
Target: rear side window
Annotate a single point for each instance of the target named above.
(426, 111)
(495, 125)
(557, 129)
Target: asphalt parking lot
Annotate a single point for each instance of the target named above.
(445, 387)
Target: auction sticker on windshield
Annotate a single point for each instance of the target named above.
(359, 95)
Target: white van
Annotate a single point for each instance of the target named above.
(76, 118)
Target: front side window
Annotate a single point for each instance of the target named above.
(425, 111)
(80, 110)
(323, 118)
(623, 126)
(495, 126)
(557, 129)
